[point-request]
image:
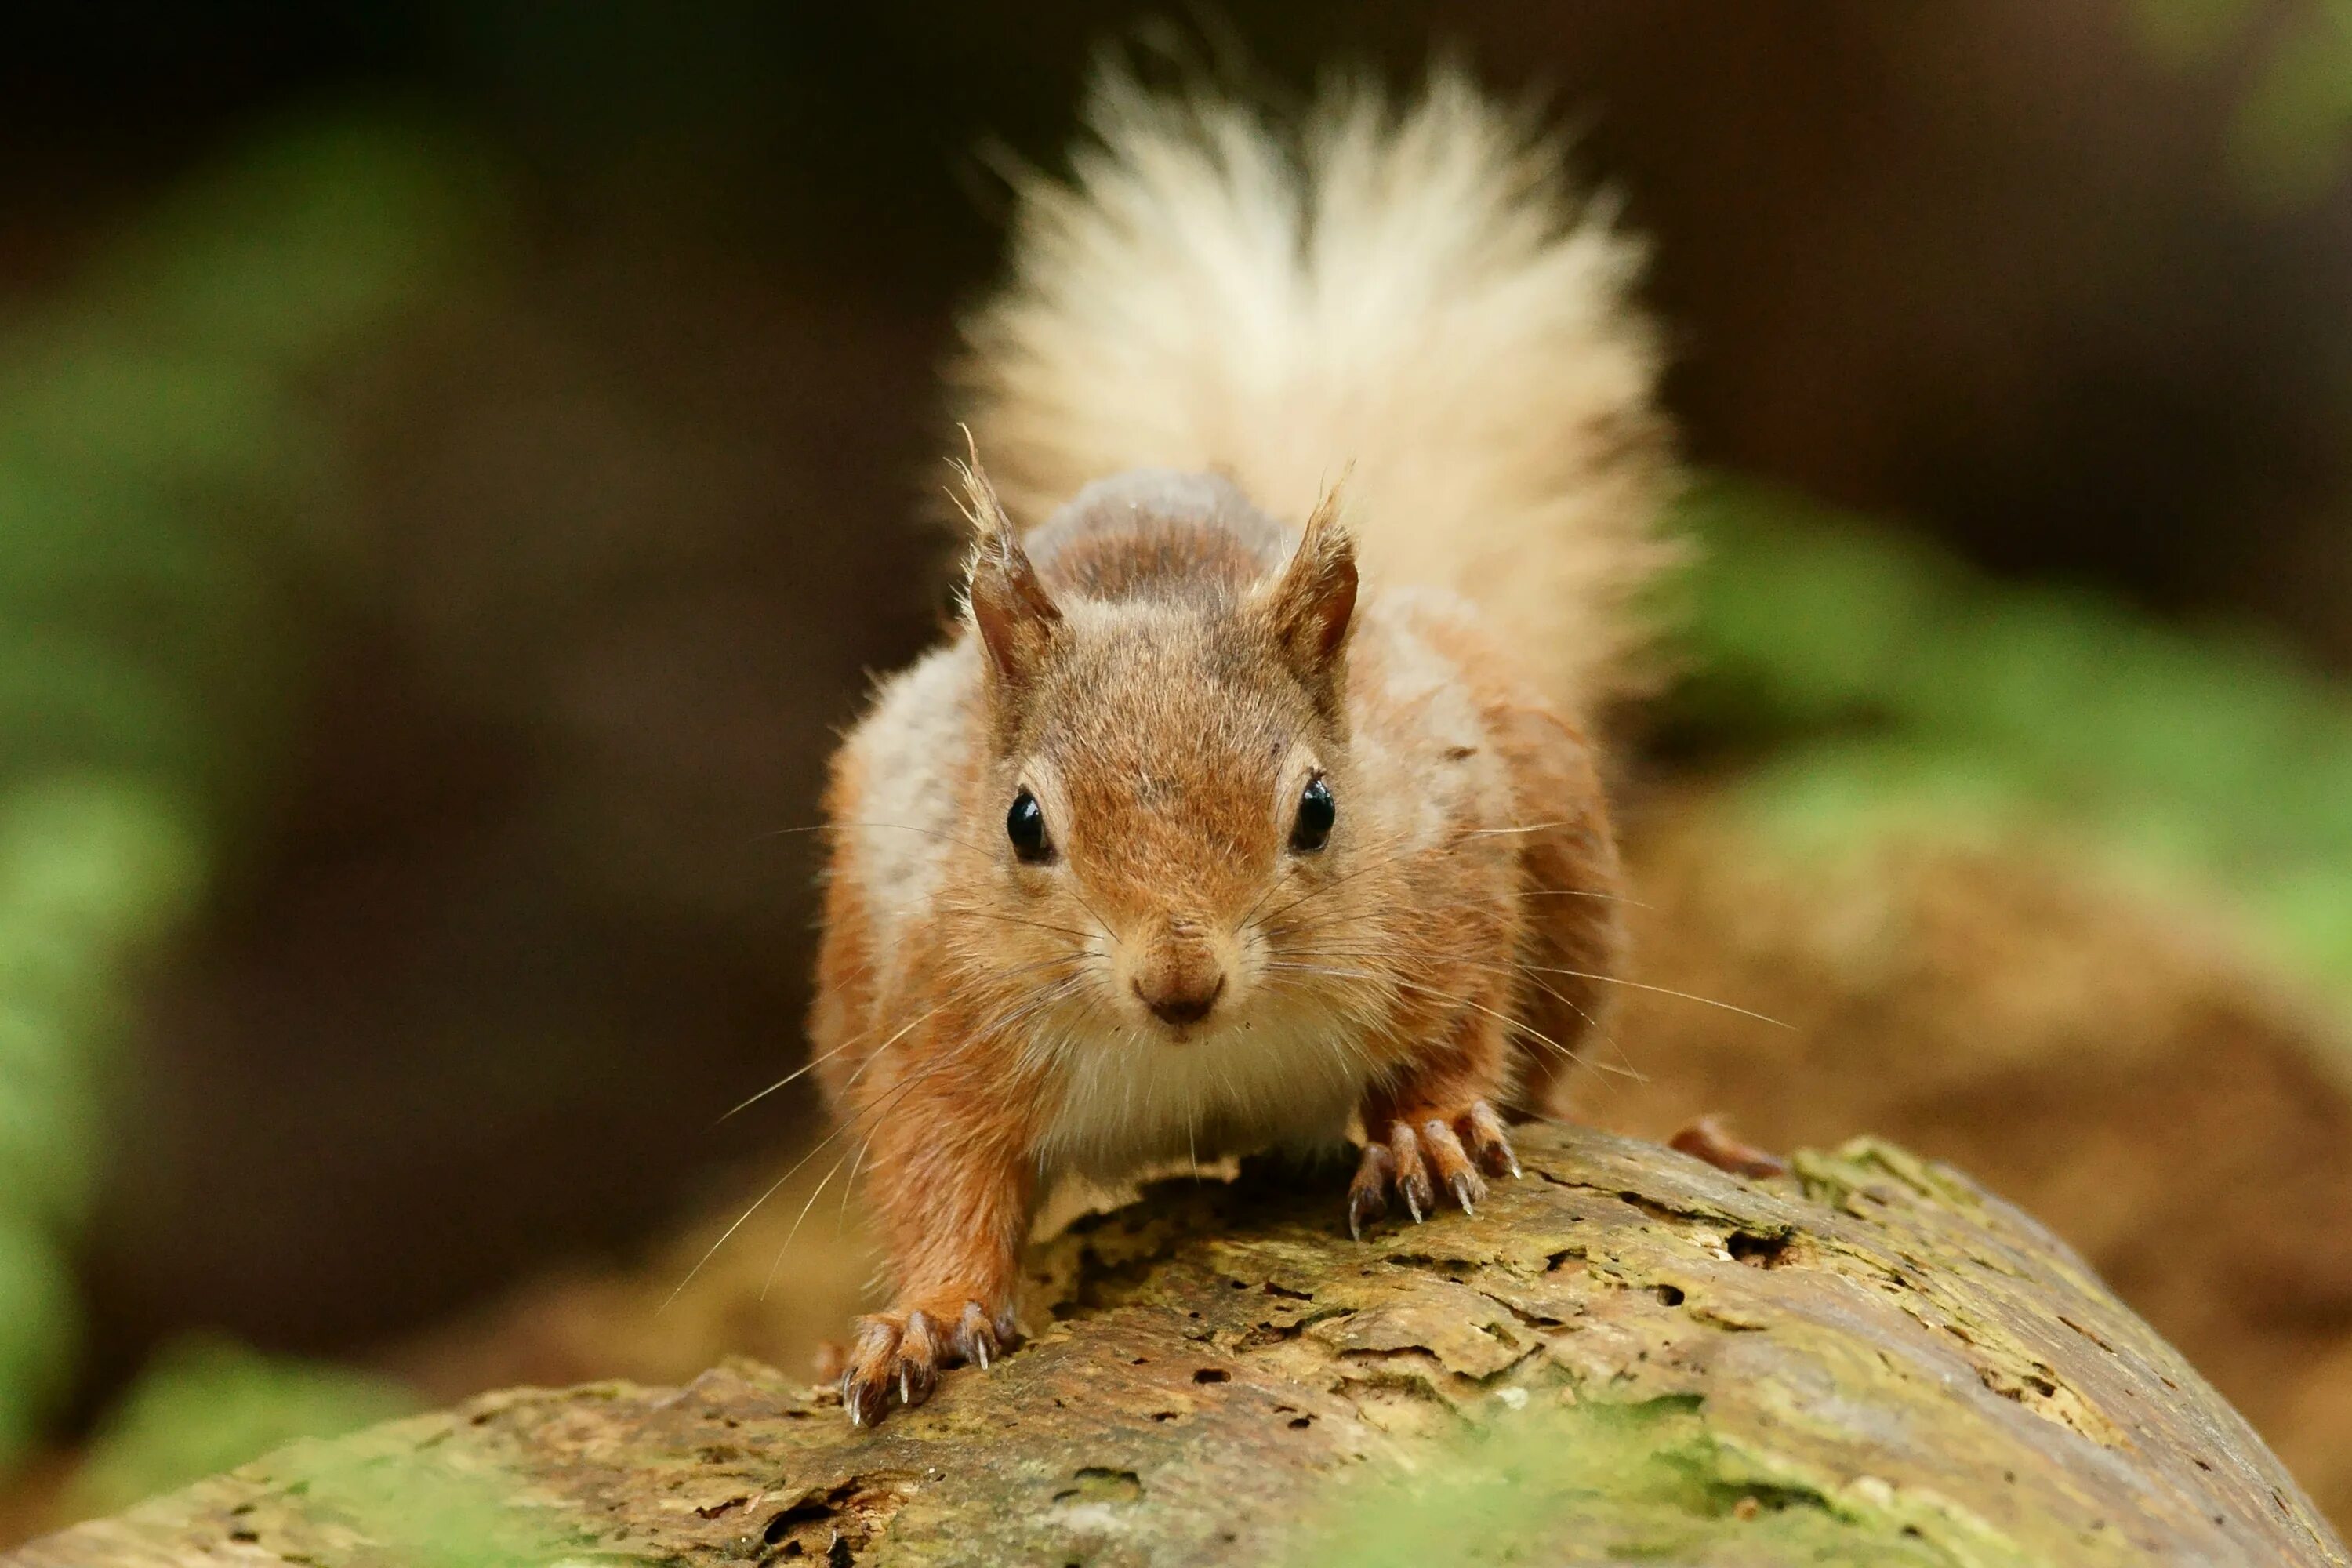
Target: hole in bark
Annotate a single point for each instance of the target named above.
(1672, 1295)
(1757, 1251)
(1212, 1374)
(1096, 1484)
(1300, 1424)
(1164, 1414)
(837, 1555)
(799, 1513)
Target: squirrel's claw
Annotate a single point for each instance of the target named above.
(1468, 1190)
(1412, 1182)
(919, 1361)
(976, 1339)
(1420, 1157)
(1453, 1162)
(865, 1395)
(1490, 1144)
(905, 1352)
(1368, 1195)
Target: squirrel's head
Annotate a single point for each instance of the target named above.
(1168, 792)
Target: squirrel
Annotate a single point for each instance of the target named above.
(1252, 802)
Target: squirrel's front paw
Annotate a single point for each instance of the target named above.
(903, 1351)
(1420, 1153)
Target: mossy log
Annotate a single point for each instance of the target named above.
(1624, 1354)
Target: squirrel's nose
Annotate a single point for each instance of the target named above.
(1178, 1000)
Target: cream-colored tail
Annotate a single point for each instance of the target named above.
(1413, 296)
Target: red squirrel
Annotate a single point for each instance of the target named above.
(1252, 803)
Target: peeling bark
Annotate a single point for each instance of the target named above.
(1866, 1360)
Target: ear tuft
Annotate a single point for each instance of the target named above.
(1313, 603)
(1008, 606)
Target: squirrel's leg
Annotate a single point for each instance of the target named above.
(1572, 895)
(1574, 942)
(1434, 1127)
(953, 1193)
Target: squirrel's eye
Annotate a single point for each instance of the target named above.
(1026, 826)
(1317, 813)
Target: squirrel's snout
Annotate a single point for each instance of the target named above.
(1179, 1000)
(1178, 973)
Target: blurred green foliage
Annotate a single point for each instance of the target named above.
(1601, 1483)
(427, 1514)
(1889, 689)
(169, 543)
(204, 1406)
(2291, 132)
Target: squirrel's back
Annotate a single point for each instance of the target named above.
(1410, 297)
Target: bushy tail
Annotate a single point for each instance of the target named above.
(1413, 296)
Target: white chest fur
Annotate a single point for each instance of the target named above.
(1126, 1101)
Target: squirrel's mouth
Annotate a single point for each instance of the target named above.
(1181, 1007)
(1185, 1033)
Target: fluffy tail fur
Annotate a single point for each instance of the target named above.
(1413, 296)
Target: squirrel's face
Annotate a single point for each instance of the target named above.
(1168, 792)
(1166, 812)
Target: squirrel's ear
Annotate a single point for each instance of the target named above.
(1008, 604)
(1313, 602)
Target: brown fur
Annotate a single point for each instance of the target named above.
(1167, 670)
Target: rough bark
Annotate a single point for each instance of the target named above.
(1867, 1361)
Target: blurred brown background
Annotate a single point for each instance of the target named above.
(643, 505)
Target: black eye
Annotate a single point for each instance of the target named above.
(1317, 813)
(1026, 826)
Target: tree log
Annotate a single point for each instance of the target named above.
(1626, 1354)
(2113, 1062)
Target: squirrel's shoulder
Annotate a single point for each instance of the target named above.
(925, 711)
(894, 799)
